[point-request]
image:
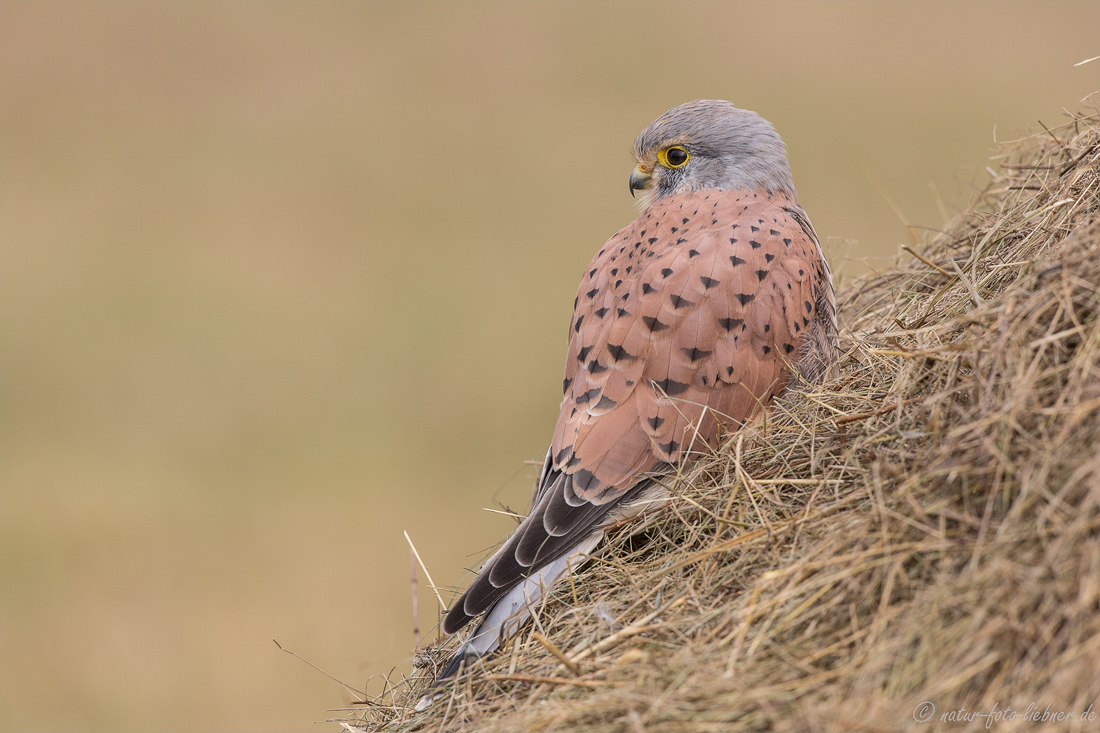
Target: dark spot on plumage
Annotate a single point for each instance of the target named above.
(768, 257)
(575, 301)
(655, 422)
(695, 353)
(735, 225)
(646, 288)
(767, 350)
(618, 283)
(653, 324)
(628, 269)
(729, 371)
(754, 243)
(788, 348)
(623, 312)
(651, 240)
(744, 298)
(761, 274)
(593, 270)
(642, 233)
(786, 242)
(629, 383)
(797, 327)
(565, 385)
(805, 321)
(685, 220)
(605, 403)
(601, 312)
(585, 480)
(649, 254)
(713, 222)
(588, 396)
(626, 297)
(583, 354)
(614, 271)
(681, 240)
(754, 228)
(574, 459)
(577, 325)
(735, 261)
(709, 282)
(733, 240)
(809, 306)
(730, 323)
(788, 286)
(704, 380)
(674, 229)
(773, 232)
(574, 412)
(563, 455)
(671, 387)
(800, 272)
(618, 353)
(679, 302)
(669, 448)
(692, 253)
(666, 272)
(767, 327)
(594, 367)
(592, 293)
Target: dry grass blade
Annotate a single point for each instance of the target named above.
(924, 528)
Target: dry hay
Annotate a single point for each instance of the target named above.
(923, 528)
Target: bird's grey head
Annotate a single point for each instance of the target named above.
(709, 144)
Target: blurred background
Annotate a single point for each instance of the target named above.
(280, 281)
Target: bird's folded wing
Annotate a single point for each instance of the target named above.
(701, 303)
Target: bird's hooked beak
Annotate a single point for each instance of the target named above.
(639, 179)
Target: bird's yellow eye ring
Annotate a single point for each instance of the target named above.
(673, 157)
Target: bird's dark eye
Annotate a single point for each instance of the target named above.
(674, 157)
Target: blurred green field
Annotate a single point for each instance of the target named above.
(282, 280)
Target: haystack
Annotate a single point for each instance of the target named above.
(913, 543)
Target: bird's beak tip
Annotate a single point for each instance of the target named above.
(639, 179)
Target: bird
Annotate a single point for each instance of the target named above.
(686, 323)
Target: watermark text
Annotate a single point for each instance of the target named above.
(1034, 713)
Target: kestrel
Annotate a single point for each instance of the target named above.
(686, 322)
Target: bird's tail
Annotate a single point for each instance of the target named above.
(509, 613)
